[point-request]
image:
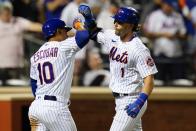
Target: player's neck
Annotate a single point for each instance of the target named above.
(127, 37)
(55, 39)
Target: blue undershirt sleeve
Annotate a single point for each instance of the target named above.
(33, 86)
(82, 37)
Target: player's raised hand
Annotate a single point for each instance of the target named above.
(78, 24)
(134, 108)
(89, 23)
(85, 10)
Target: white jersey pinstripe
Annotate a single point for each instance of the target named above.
(129, 62)
(60, 56)
(123, 122)
(52, 67)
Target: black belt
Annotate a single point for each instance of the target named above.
(52, 98)
(117, 95)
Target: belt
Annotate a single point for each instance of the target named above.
(117, 95)
(52, 98)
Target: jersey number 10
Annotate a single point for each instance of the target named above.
(46, 73)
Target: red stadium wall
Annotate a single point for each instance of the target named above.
(5, 116)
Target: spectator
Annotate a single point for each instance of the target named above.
(54, 8)
(185, 6)
(166, 28)
(148, 7)
(95, 74)
(11, 39)
(104, 19)
(26, 8)
(193, 16)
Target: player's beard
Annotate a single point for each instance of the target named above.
(118, 32)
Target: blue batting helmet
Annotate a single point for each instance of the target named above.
(50, 27)
(127, 15)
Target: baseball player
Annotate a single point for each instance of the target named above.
(131, 66)
(51, 75)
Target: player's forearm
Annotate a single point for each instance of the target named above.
(82, 37)
(148, 85)
(134, 108)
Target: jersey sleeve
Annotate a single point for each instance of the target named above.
(69, 46)
(104, 37)
(145, 64)
(23, 23)
(181, 25)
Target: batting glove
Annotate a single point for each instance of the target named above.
(134, 108)
(89, 19)
(85, 11)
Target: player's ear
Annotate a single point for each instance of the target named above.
(58, 31)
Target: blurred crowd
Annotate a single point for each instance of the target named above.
(168, 28)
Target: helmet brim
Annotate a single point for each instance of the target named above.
(67, 28)
(116, 18)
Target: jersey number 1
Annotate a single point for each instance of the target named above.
(122, 72)
(46, 73)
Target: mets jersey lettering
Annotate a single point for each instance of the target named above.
(166, 24)
(130, 62)
(50, 52)
(122, 58)
(52, 67)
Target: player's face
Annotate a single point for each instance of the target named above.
(122, 29)
(62, 34)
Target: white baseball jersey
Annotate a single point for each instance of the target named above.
(130, 62)
(170, 24)
(52, 66)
